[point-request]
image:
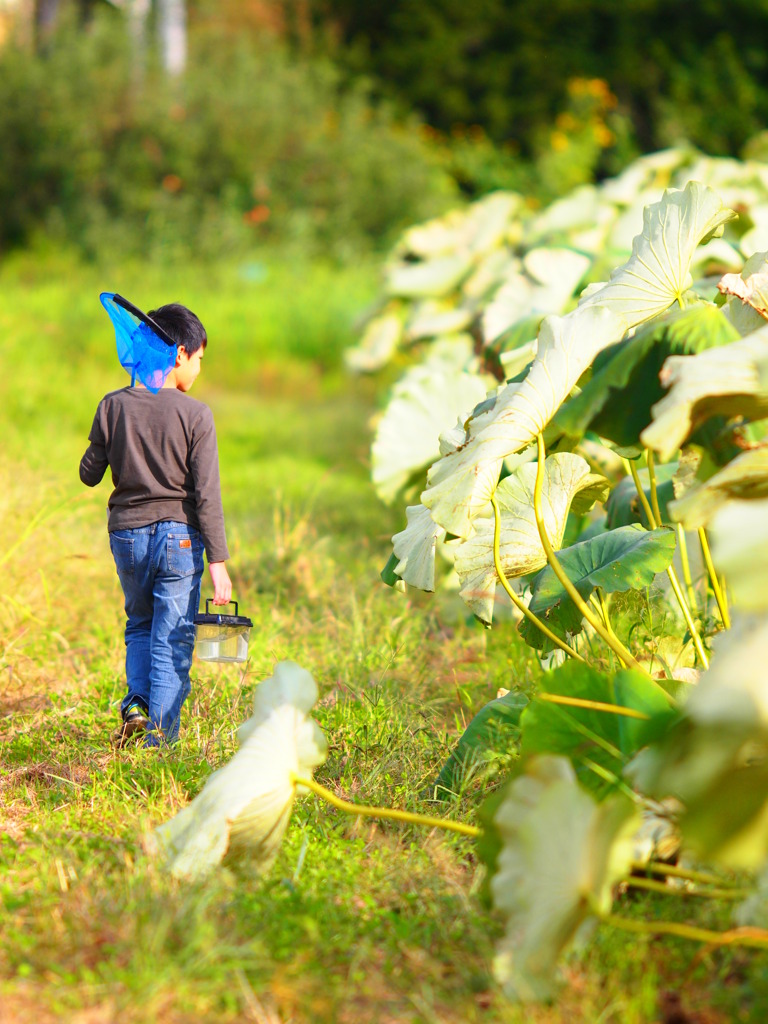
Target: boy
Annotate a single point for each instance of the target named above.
(164, 509)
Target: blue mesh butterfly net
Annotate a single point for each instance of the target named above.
(143, 347)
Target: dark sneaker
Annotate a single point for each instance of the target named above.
(135, 721)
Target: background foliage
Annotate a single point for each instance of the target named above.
(250, 146)
(701, 74)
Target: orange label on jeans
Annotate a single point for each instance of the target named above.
(185, 543)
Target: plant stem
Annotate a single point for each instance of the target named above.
(614, 780)
(384, 812)
(607, 618)
(722, 604)
(671, 574)
(672, 870)
(652, 524)
(516, 600)
(755, 938)
(654, 490)
(616, 646)
(594, 705)
(712, 894)
(675, 584)
(687, 578)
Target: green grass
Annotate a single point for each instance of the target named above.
(358, 920)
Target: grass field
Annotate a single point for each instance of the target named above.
(358, 921)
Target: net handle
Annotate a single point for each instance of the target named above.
(135, 311)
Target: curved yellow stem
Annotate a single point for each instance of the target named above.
(593, 705)
(606, 618)
(586, 612)
(363, 810)
(755, 938)
(685, 562)
(668, 890)
(722, 604)
(653, 523)
(674, 871)
(654, 491)
(517, 601)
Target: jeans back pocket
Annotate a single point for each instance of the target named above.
(122, 552)
(185, 553)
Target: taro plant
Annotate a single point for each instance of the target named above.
(625, 428)
(614, 492)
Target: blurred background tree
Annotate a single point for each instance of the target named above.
(505, 64)
(165, 126)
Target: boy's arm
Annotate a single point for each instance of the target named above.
(204, 463)
(93, 464)
(222, 584)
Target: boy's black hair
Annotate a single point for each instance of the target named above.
(182, 325)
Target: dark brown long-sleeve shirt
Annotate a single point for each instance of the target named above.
(164, 460)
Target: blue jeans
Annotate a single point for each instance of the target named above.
(160, 567)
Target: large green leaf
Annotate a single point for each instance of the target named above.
(624, 559)
(616, 402)
(590, 737)
(477, 229)
(624, 506)
(495, 729)
(567, 481)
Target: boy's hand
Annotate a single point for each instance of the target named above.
(222, 584)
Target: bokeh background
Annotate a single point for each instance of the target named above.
(167, 129)
(255, 160)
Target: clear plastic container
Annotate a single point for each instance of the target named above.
(222, 638)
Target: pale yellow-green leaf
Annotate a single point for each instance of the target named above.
(430, 279)
(433, 317)
(719, 380)
(755, 240)
(520, 548)
(715, 762)
(650, 171)
(489, 272)
(561, 856)
(242, 811)
(460, 484)
(734, 691)
(658, 271)
(415, 548)
(436, 237)
(581, 208)
(377, 345)
(751, 285)
(425, 402)
(739, 538)
(546, 280)
(746, 476)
